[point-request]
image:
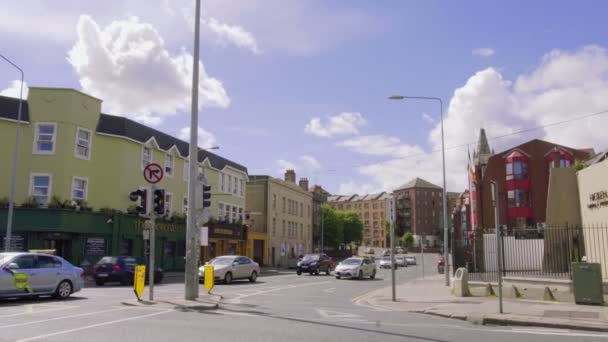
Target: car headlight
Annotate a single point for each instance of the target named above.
(313, 264)
(299, 263)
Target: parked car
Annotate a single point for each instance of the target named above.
(410, 260)
(385, 262)
(399, 250)
(121, 269)
(370, 251)
(37, 274)
(400, 261)
(316, 263)
(356, 268)
(231, 267)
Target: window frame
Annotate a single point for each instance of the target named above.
(35, 149)
(169, 203)
(169, 156)
(50, 186)
(85, 190)
(186, 171)
(151, 154)
(76, 145)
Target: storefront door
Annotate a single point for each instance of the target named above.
(62, 247)
(258, 251)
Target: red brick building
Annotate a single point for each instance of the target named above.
(522, 175)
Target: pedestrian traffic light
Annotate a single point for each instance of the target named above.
(158, 201)
(206, 196)
(142, 196)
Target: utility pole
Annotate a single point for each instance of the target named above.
(152, 243)
(390, 215)
(494, 186)
(193, 249)
(322, 229)
(422, 252)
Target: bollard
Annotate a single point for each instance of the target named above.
(461, 283)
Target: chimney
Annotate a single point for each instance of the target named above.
(290, 176)
(304, 184)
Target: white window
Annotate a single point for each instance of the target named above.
(241, 184)
(274, 226)
(146, 156)
(185, 205)
(79, 188)
(301, 209)
(234, 214)
(186, 170)
(229, 183)
(40, 187)
(241, 214)
(168, 203)
(222, 182)
(83, 143)
(274, 201)
(169, 165)
(236, 185)
(45, 138)
(220, 210)
(227, 217)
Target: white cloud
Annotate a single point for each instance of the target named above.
(566, 84)
(14, 89)
(127, 65)
(340, 124)
(483, 52)
(205, 138)
(233, 34)
(427, 118)
(284, 165)
(351, 187)
(310, 163)
(306, 166)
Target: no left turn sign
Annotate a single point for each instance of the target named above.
(153, 173)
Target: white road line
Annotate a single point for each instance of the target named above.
(31, 311)
(238, 298)
(58, 318)
(63, 332)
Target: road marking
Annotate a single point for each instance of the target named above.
(58, 318)
(335, 314)
(330, 290)
(62, 332)
(29, 310)
(237, 299)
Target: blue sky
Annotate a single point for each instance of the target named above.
(272, 67)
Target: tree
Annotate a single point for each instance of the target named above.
(407, 239)
(352, 225)
(579, 165)
(333, 227)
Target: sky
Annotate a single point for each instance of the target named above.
(305, 84)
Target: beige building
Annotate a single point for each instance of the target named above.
(370, 209)
(283, 210)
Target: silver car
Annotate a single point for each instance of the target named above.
(231, 267)
(410, 260)
(36, 274)
(385, 262)
(400, 261)
(356, 268)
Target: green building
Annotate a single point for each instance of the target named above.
(75, 171)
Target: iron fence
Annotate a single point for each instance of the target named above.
(533, 252)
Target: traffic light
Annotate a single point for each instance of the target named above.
(142, 196)
(206, 196)
(158, 201)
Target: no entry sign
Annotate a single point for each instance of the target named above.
(153, 173)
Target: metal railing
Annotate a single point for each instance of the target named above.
(532, 252)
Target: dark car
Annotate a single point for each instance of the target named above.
(120, 269)
(316, 263)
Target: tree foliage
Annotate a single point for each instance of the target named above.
(341, 227)
(353, 227)
(407, 239)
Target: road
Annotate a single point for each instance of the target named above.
(283, 307)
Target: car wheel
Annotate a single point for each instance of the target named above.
(298, 272)
(328, 271)
(360, 277)
(317, 271)
(64, 290)
(337, 277)
(254, 276)
(228, 278)
(99, 282)
(312, 273)
(373, 276)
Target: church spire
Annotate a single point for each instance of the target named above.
(483, 148)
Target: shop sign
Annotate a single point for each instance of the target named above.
(95, 247)
(598, 199)
(159, 226)
(232, 233)
(18, 243)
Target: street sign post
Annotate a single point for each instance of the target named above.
(153, 173)
(204, 236)
(390, 217)
(209, 281)
(139, 281)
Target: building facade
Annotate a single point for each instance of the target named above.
(419, 209)
(319, 197)
(75, 159)
(283, 210)
(371, 211)
(522, 175)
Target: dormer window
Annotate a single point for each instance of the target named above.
(169, 162)
(146, 156)
(516, 165)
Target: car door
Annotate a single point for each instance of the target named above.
(247, 267)
(237, 268)
(48, 273)
(27, 265)
(367, 267)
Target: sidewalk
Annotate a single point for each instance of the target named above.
(430, 296)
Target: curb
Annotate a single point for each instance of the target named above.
(525, 321)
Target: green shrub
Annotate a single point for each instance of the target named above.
(30, 202)
(4, 202)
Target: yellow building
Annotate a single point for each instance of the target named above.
(370, 209)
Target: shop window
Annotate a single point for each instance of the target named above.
(181, 248)
(126, 247)
(169, 250)
(231, 249)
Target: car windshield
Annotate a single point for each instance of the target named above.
(132, 261)
(311, 257)
(386, 259)
(5, 257)
(107, 260)
(221, 261)
(352, 261)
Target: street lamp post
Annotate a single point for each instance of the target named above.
(445, 206)
(11, 200)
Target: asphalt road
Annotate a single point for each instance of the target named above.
(283, 307)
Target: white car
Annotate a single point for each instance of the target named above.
(231, 267)
(400, 261)
(356, 268)
(410, 259)
(385, 262)
(37, 274)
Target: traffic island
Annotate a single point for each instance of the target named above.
(207, 302)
